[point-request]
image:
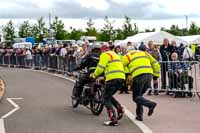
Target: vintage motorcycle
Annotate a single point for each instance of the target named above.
(92, 94)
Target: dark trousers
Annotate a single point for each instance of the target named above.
(164, 75)
(178, 81)
(13, 60)
(124, 88)
(83, 79)
(6, 60)
(37, 60)
(1, 59)
(44, 60)
(111, 87)
(140, 85)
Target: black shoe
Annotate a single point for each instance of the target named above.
(189, 94)
(110, 123)
(139, 118)
(151, 109)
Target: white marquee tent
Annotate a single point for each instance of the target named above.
(193, 39)
(156, 37)
(23, 45)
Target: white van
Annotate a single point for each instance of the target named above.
(23, 45)
(91, 39)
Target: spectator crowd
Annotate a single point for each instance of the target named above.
(66, 57)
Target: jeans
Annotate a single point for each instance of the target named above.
(37, 60)
(140, 85)
(111, 87)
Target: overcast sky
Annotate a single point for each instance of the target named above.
(138, 9)
(75, 13)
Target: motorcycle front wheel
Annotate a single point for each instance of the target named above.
(96, 104)
(75, 101)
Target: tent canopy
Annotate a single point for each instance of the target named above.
(156, 37)
(193, 39)
(23, 45)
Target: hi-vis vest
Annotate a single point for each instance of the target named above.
(111, 64)
(140, 62)
(126, 70)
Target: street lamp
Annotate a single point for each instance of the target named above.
(186, 22)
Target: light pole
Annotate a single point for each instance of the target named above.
(49, 20)
(186, 21)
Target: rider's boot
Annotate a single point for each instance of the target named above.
(113, 119)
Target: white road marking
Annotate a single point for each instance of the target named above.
(60, 76)
(141, 125)
(2, 128)
(16, 107)
(128, 113)
(10, 113)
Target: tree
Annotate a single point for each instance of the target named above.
(39, 30)
(9, 31)
(194, 29)
(24, 30)
(163, 29)
(91, 30)
(76, 34)
(150, 30)
(108, 32)
(58, 26)
(119, 35)
(128, 29)
(175, 30)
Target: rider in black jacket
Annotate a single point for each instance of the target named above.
(89, 62)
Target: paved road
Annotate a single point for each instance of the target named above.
(172, 115)
(46, 107)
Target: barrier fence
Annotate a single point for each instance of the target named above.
(178, 76)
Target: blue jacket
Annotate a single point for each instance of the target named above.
(174, 66)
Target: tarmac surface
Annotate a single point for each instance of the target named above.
(46, 107)
(172, 115)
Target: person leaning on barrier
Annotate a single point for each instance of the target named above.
(110, 64)
(142, 66)
(166, 51)
(178, 75)
(89, 62)
(154, 52)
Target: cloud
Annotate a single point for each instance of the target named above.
(137, 9)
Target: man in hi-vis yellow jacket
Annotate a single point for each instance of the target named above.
(142, 66)
(111, 65)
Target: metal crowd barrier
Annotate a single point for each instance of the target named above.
(180, 77)
(52, 63)
(186, 80)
